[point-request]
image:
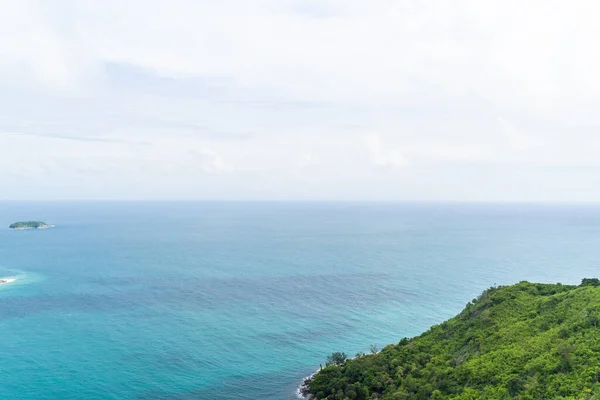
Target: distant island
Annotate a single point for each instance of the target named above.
(525, 341)
(29, 225)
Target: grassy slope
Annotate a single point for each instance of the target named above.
(526, 341)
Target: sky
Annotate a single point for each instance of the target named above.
(300, 100)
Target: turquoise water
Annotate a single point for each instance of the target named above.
(242, 300)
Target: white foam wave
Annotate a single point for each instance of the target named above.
(299, 389)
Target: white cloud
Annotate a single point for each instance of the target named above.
(212, 162)
(381, 156)
(298, 98)
(516, 139)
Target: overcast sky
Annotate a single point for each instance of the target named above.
(307, 99)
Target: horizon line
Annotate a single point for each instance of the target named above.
(346, 201)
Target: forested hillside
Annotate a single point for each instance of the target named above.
(525, 341)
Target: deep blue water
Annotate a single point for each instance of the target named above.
(242, 300)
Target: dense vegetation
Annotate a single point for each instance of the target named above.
(525, 341)
(29, 225)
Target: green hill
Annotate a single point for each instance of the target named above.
(525, 341)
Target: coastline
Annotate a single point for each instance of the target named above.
(31, 228)
(307, 379)
(304, 385)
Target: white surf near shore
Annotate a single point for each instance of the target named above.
(13, 279)
(299, 388)
(32, 229)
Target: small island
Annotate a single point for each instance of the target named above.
(29, 225)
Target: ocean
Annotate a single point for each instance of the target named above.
(226, 300)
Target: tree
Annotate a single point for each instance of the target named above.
(565, 352)
(514, 386)
(336, 358)
(590, 282)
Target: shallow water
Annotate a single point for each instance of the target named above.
(242, 300)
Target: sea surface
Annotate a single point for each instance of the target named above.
(243, 300)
